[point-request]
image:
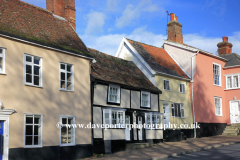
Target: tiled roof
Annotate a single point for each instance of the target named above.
(116, 70)
(233, 59)
(158, 59)
(27, 22)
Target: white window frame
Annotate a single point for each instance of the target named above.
(32, 114)
(184, 84)
(32, 64)
(220, 98)
(110, 110)
(169, 85)
(74, 141)
(65, 71)
(220, 74)
(149, 99)
(151, 120)
(179, 112)
(232, 75)
(3, 56)
(118, 93)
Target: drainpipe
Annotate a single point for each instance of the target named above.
(195, 134)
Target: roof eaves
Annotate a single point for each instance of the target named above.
(33, 43)
(169, 75)
(231, 66)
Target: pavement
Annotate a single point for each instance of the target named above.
(172, 149)
(230, 152)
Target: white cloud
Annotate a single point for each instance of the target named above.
(95, 22)
(112, 5)
(210, 44)
(132, 12)
(110, 43)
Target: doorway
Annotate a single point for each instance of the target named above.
(234, 112)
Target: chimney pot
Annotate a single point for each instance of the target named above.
(171, 16)
(225, 39)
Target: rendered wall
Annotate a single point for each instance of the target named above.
(48, 100)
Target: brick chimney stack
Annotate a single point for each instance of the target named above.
(63, 8)
(224, 47)
(175, 29)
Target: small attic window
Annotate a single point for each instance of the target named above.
(114, 94)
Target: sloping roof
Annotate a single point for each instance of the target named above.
(116, 70)
(158, 59)
(28, 22)
(233, 59)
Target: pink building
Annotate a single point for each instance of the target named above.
(215, 80)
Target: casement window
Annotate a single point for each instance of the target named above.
(153, 120)
(114, 94)
(33, 130)
(217, 74)
(182, 87)
(145, 99)
(67, 131)
(232, 81)
(32, 70)
(166, 85)
(177, 110)
(2, 60)
(114, 117)
(66, 77)
(218, 106)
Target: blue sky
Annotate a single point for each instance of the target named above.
(102, 23)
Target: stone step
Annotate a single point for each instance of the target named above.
(230, 131)
(138, 145)
(230, 134)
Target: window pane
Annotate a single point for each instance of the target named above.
(62, 66)
(36, 129)
(63, 139)
(62, 76)
(64, 131)
(37, 120)
(28, 59)
(1, 63)
(29, 119)
(28, 69)
(70, 139)
(36, 80)
(173, 113)
(69, 86)
(176, 111)
(0, 51)
(36, 70)
(36, 60)
(69, 68)
(37, 140)
(28, 140)
(69, 77)
(63, 84)
(29, 130)
(235, 81)
(29, 78)
(64, 120)
(70, 120)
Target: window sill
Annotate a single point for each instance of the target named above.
(231, 89)
(32, 146)
(183, 92)
(218, 115)
(66, 90)
(114, 103)
(217, 85)
(145, 107)
(167, 90)
(33, 86)
(178, 117)
(67, 145)
(3, 74)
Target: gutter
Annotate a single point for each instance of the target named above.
(46, 47)
(194, 119)
(231, 66)
(169, 75)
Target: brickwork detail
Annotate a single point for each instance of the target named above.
(175, 29)
(224, 47)
(63, 8)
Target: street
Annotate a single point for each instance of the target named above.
(230, 152)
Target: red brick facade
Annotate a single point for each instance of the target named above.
(224, 47)
(175, 29)
(63, 8)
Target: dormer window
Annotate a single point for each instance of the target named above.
(114, 94)
(145, 99)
